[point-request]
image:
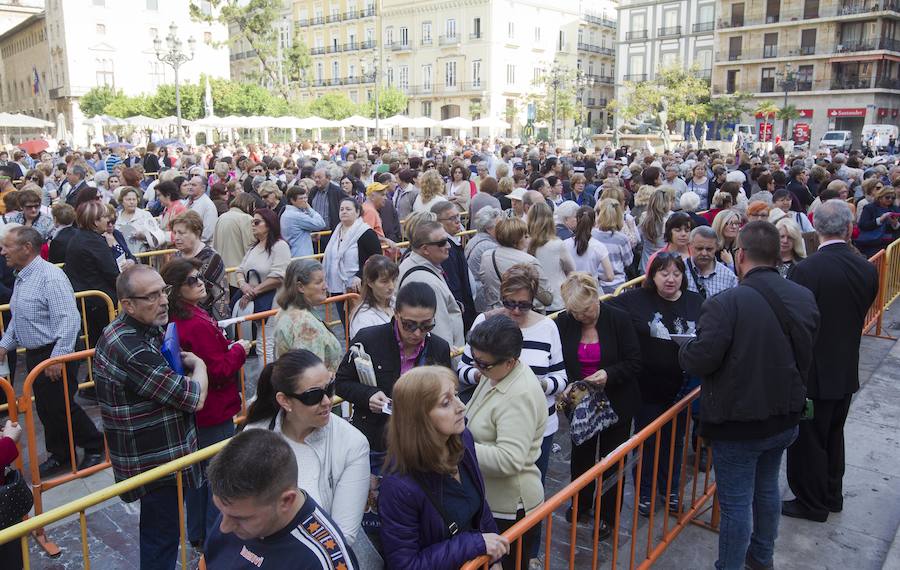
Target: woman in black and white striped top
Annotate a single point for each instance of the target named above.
(541, 347)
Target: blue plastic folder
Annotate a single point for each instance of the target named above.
(171, 349)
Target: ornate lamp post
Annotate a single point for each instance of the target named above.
(175, 57)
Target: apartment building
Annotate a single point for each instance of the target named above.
(596, 61)
(655, 34)
(836, 61)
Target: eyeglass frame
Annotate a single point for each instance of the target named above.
(156, 297)
(302, 397)
(487, 366)
(411, 326)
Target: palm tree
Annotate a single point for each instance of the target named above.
(768, 110)
(786, 114)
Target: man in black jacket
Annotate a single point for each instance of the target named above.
(456, 269)
(845, 285)
(75, 177)
(753, 349)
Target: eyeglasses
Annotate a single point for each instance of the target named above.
(517, 305)
(34, 178)
(735, 223)
(257, 170)
(412, 326)
(194, 280)
(313, 396)
(455, 218)
(31, 206)
(438, 243)
(155, 296)
(486, 366)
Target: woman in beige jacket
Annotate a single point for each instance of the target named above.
(507, 415)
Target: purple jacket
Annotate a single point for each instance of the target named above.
(413, 533)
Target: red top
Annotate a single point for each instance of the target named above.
(201, 335)
(711, 214)
(8, 454)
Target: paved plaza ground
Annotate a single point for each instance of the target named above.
(862, 537)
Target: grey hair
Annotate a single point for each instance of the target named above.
(298, 272)
(441, 206)
(565, 210)
(833, 218)
(79, 171)
(487, 218)
(323, 168)
(689, 201)
(101, 177)
(704, 232)
(257, 182)
(124, 282)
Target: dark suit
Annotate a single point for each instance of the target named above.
(845, 285)
(90, 265)
(335, 194)
(381, 344)
(456, 272)
(59, 244)
(72, 196)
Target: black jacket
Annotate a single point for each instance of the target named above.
(620, 356)
(335, 194)
(801, 192)
(90, 263)
(456, 272)
(367, 246)
(60, 244)
(845, 285)
(380, 343)
(72, 196)
(750, 372)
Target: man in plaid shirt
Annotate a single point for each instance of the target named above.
(148, 409)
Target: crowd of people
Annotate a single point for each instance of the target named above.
(456, 373)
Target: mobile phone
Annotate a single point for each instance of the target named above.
(388, 407)
(808, 410)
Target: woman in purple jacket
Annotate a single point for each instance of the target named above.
(434, 514)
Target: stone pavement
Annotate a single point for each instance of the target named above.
(863, 536)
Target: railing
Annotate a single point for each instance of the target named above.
(449, 40)
(600, 20)
(701, 27)
(669, 31)
(888, 264)
(635, 77)
(636, 35)
(582, 46)
(789, 16)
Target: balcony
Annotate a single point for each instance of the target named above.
(596, 49)
(596, 102)
(359, 14)
(426, 41)
(333, 48)
(705, 74)
(635, 77)
(636, 35)
(476, 36)
(807, 50)
(449, 40)
(336, 81)
(600, 20)
(798, 14)
(669, 31)
(734, 56)
(770, 51)
(607, 79)
(317, 21)
(317, 50)
(400, 46)
(333, 18)
(432, 89)
(701, 27)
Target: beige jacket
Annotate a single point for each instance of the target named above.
(507, 422)
(232, 239)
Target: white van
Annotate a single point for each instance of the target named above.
(747, 131)
(841, 140)
(882, 134)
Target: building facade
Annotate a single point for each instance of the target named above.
(596, 61)
(25, 69)
(837, 62)
(14, 12)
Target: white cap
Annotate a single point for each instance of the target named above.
(516, 194)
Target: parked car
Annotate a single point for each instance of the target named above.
(841, 140)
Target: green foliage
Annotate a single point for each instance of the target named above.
(95, 101)
(788, 113)
(297, 61)
(728, 108)
(391, 101)
(334, 105)
(686, 94)
(564, 90)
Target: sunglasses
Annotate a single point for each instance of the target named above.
(438, 243)
(31, 206)
(486, 366)
(412, 326)
(194, 280)
(314, 396)
(517, 305)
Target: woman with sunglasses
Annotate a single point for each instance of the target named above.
(432, 458)
(661, 307)
(200, 334)
(507, 417)
(31, 214)
(512, 237)
(542, 351)
(295, 325)
(294, 398)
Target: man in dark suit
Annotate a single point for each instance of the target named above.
(845, 285)
(75, 178)
(325, 198)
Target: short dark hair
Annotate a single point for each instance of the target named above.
(295, 191)
(356, 205)
(661, 261)
(416, 295)
(677, 220)
(169, 189)
(779, 194)
(175, 273)
(256, 464)
(651, 174)
(421, 236)
(761, 242)
(498, 336)
(797, 171)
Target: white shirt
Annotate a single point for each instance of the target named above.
(207, 211)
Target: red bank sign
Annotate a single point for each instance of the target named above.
(847, 112)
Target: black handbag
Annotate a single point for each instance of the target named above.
(16, 499)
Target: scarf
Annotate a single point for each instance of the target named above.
(342, 240)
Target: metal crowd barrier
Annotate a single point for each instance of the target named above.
(633, 284)
(631, 545)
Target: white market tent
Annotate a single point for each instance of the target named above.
(491, 123)
(357, 121)
(19, 121)
(456, 123)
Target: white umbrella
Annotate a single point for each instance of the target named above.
(400, 121)
(316, 123)
(491, 122)
(20, 121)
(357, 121)
(424, 123)
(141, 121)
(456, 123)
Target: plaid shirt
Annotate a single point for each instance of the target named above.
(720, 279)
(147, 409)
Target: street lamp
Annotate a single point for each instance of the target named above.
(376, 70)
(557, 76)
(175, 57)
(585, 84)
(788, 79)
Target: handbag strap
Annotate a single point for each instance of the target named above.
(452, 526)
(777, 305)
(496, 269)
(701, 288)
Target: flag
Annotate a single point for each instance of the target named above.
(36, 88)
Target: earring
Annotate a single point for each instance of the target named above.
(289, 410)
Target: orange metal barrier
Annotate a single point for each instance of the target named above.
(876, 311)
(156, 258)
(642, 546)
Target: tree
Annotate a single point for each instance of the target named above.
(683, 90)
(97, 98)
(253, 22)
(391, 101)
(335, 105)
(728, 108)
(555, 89)
(786, 114)
(297, 60)
(768, 110)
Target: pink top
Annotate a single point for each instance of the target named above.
(589, 358)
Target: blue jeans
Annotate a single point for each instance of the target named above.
(159, 529)
(200, 510)
(648, 412)
(543, 461)
(750, 501)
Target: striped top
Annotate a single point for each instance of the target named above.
(542, 352)
(620, 256)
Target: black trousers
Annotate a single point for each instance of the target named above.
(587, 455)
(531, 536)
(97, 317)
(815, 462)
(50, 403)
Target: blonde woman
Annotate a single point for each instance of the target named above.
(431, 191)
(727, 225)
(642, 200)
(629, 226)
(793, 248)
(609, 233)
(550, 251)
(652, 225)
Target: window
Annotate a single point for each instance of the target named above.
(451, 28)
(354, 95)
(389, 35)
(351, 71)
(808, 42)
(511, 30)
(773, 11)
(704, 59)
(101, 30)
(578, 64)
(426, 108)
(767, 80)
(335, 70)
(404, 77)
(404, 36)
(770, 45)
(734, 48)
(810, 9)
(510, 74)
(562, 40)
(805, 78)
(320, 72)
(706, 13)
(390, 77)
(154, 33)
(638, 25)
(635, 65)
(450, 74)
(731, 80)
(370, 36)
(153, 4)
(476, 73)
(668, 58)
(426, 32)
(476, 27)
(537, 33)
(580, 36)
(536, 74)
(737, 15)
(426, 77)
(590, 69)
(105, 74)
